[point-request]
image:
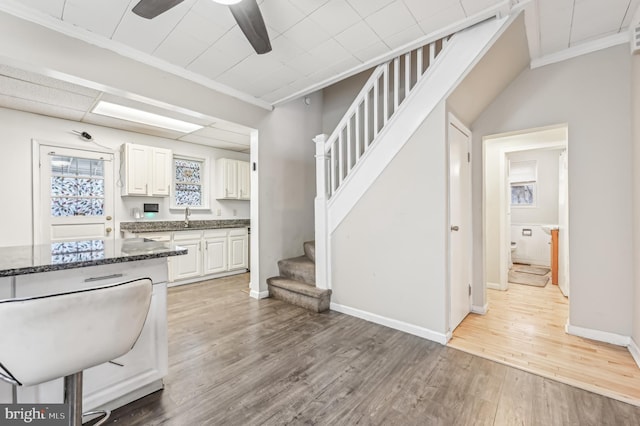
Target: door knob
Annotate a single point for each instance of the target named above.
(455, 228)
(108, 230)
(108, 217)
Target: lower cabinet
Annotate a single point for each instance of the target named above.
(210, 252)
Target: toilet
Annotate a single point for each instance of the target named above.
(514, 246)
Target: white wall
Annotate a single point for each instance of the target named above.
(392, 245)
(286, 169)
(338, 97)
(18, 130)
(635, 110)
(546, 208)
(592, 94)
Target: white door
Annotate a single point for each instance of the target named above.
(75, 200)
(563, 225)
(459, 224)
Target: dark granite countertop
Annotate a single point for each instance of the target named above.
(178, 225)
(22, 260)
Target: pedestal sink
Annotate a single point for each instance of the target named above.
(548, 228)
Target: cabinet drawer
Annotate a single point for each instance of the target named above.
(93, 276)
(238, 232)
(187, 235)
(215, 233)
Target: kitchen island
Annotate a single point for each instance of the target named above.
(38, 270)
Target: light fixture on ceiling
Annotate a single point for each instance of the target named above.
(227, 2)
(109, 109)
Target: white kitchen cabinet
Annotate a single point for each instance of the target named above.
(233, 180)
(147, 170)
(215, 252)
(189, 265)
(238, 249)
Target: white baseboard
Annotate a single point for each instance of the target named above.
(392, 323)
(601, 336)
(482, 310)
(495, 286)
(635, 351)
(259, 294)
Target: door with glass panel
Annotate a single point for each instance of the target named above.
(76, 196)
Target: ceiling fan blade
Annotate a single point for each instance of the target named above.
(249, 19)
(151, 8)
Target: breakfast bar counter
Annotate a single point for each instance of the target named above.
(40, 270)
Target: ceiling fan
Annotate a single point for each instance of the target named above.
(246, 13)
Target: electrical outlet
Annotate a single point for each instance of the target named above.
(219, 212)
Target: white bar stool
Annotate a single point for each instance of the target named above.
(60, 335)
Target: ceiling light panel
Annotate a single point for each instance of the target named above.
(137, 116)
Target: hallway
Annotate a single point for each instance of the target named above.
(524, 328)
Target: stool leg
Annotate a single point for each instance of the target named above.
(73, 397)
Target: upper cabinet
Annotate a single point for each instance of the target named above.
(146, 170)
(233, 180)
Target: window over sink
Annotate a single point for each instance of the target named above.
(189, 183)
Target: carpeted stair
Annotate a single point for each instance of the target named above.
(297, 282)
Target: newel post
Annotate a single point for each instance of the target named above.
(322, 237)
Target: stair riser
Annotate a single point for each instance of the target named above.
(305, 274)
(310, 250)
(306, 302)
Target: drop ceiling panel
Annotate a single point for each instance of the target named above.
(633, 6)
(391, 20)
(213, 15)
(555, 32)
(335, 16)
(442, 18)
(593, 18)
(357, 37)
(42, 80)
(307, 34)
(40, 108)
(180, 48)
(97, 16)
(422, 9)
(284, 49)
(200, 140)
(281, 14)
(367, 7)
(43, 94)
(375, 50)
(309, 6)
(146, 35)
(405, 36)
(233, 127)
(471, 7)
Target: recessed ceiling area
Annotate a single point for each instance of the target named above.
(27, 91)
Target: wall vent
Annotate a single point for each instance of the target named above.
(635, 39)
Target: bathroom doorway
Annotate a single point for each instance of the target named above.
(526, 207)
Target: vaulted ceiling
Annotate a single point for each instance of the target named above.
(315, 42)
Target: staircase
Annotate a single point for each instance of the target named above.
(297, 282)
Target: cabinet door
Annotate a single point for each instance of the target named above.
(238, 251)
(136, 169)
(215, 254)
(244, 180)
(188, 265)
(230, 179)
(160, 171)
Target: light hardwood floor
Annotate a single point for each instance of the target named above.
(524, 328)
(238, 361)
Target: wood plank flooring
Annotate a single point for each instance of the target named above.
(239, 361)
(524, 328)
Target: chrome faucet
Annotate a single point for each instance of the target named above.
(187, 213)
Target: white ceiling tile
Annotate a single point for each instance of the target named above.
(228, 51)
(215, 143)
(471, 7)
(367, 7)
(284, 49)
(329, 53)
(405, 36)
(555, 31)
(233, 127)
(147, 34)
(357, 37)
(42, 80)
(203, 28)
(96, 16)
(44, 94)
(49, 7)
(278, 94)
(375, 50)
(633, 6)
(40, 108)
(280, 15)
(180, 48)
(214, 14)
(335, 16)
(251, 68)
(307, 6)
(546, 7)
(421, 9)
(592, 18)
(443, 18)
(307, 34)
(391, 20)
(283, 76)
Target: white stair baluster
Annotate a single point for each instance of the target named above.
(385, 95)
(396, 84)
(407, 75)
(358, 143)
